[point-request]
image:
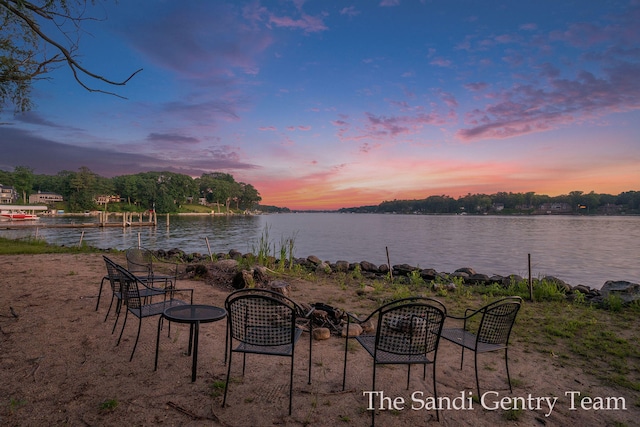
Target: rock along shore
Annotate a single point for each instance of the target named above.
(625, 290)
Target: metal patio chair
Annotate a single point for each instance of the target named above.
(113, 277)
(407, 331)
(491, 334)
(263, 322)
(135, 304)
(145, 265)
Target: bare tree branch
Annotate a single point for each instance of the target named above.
(64, 55)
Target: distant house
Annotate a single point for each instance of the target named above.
(103, 200)
(610, 209)
(555, 208)
(45, 197)
(8, 194)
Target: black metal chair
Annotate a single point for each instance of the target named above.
(263, 322)
(132, 298)
(407, 331)
(113, 276)
(492, 333)
(143, 264)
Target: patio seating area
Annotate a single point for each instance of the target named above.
(262, 322)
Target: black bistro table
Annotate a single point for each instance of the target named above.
(194, 315)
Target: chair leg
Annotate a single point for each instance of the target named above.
(155, 366)
(244, 362)
(106, 316)
(123, 324)
(344, 369)
(100, 293)
(475, 359)
(115, 323)
(310, 348)
(136, 343)
(373, 388)
(291, 382)
(435, 391)
(506, 363)
(226, 344)
(226, 386)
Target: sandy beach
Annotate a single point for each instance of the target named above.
(59, 365)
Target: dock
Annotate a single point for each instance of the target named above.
(103, 222)
(15, 225)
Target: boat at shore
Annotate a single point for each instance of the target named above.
(18, 216)
(20, 213)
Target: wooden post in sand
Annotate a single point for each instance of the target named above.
(530, 280)
(209, 248)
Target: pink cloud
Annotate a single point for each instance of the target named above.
(449, 99)
(350, 11)
(529, 27)
(581, 35)
(310, 24)
(524, 108)
(441, 62)
(476, 87)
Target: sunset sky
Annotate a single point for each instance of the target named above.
(329, 104)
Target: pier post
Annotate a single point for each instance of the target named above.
(209, 248)
(530, 280)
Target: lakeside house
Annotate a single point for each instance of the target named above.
(105, 199)
(48, 198)
(555, 208)
(8, 194)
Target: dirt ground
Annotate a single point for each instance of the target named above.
(59, 365)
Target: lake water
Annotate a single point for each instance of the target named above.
(576, 249)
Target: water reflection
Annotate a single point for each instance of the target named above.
(586, 250)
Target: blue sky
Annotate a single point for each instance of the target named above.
(328, 104)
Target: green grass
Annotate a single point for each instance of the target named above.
(108, 405)
(33, 246)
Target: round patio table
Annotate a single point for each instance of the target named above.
(194, 315)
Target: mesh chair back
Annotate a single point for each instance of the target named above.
(139, 261)
(113, 275)
(261, 320)
(497, 321)
(409, 329)
(130, 290)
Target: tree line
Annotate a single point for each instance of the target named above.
(576, 202)
(166, 192)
